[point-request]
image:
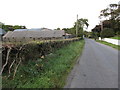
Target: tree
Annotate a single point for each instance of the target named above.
(112, 17)
(96, 31)
(86, 34)
(111, 12)
(81, 24)
(19, 27)
(11, 27)
(69, 30)
(114, 24)
(7, 27)
(58, 29)
(107, 32)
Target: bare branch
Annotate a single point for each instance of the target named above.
(8, 52)
(14, 59)
(16, 68)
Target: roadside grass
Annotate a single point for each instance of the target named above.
(53, 69)
(115, 37)
(109, 44)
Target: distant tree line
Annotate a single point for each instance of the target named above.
(80, 24)
(11, 27)
(110, 26)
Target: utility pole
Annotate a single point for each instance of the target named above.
(77, 26)
(101, 25)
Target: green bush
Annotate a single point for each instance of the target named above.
(31, 52)
(48, 72)
(118, 33)
(107, 32)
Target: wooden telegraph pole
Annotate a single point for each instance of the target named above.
(77, 26)
(101, 25)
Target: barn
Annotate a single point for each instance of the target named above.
(33, 35)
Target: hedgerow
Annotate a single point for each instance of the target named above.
(14, 55)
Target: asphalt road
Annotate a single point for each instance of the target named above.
(97, 67)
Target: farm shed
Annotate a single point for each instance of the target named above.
(34, 29)
(69, 35)
(20, 36)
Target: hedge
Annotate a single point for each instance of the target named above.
(107, 32)
(14, 55)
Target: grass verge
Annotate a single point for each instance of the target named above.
(109, 44)
(118, 38)
(50, 72)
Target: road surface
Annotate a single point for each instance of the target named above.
(97, 67)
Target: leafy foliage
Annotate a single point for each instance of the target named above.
(116, 37)
(96, 31)
(48, 72)
(80, 24)
(112, 12)
(11, 27)
(111, 20)
(107, 32)
(25, 51)
(112, 17)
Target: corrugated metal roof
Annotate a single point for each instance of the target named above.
(21, 29)
(35, 34)
(33, 29)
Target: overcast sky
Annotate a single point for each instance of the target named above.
(51, 13)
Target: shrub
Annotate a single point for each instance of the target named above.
(118, 33)
(107, 32)
(50, 72)
(29, 52)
